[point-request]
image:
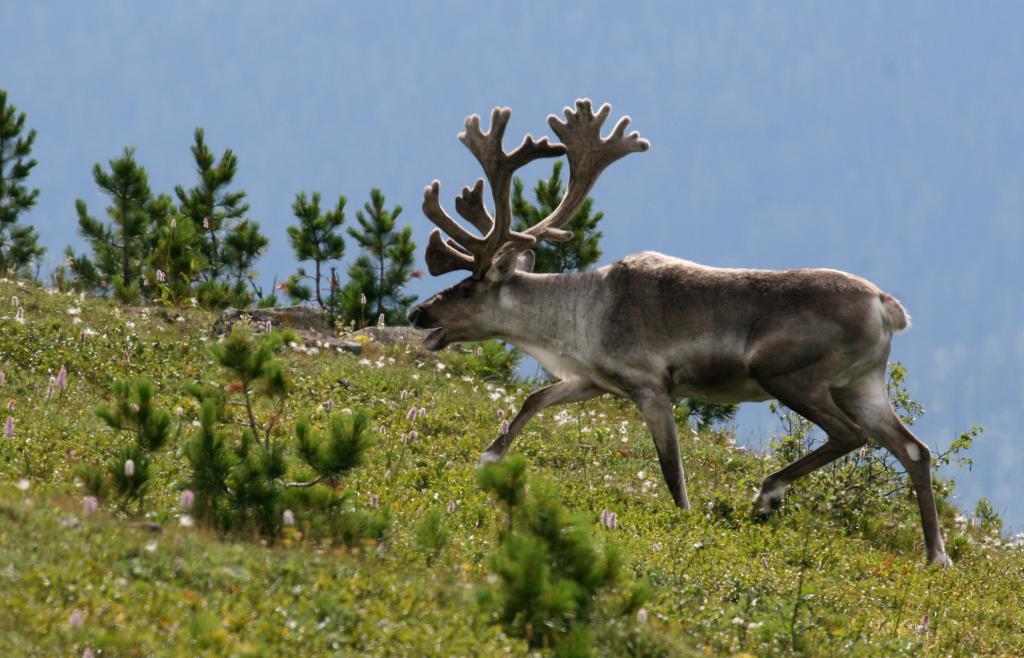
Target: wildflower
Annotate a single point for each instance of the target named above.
(51, 387)
(9, 427)
(449, 464)
(90, 504)
(380, 320)
(641, 615)
(451, 506)
(134, 407)
(3, 378)
(288, 518)
(362, 298)
(185, 521)
(174, 222)
(186, 500)
(504, 428)
(411, 415)
(14, 301)
(404, 395)
(479, 351)
(10, 406)
(922, 628)
(329, 405)
(413, 436)
(501, 413)
(23, 484)
(77, 618)
(374, 501)
(270, 326)
(87, 653)
(20, 315)
(206, 223)
(62, 377)
(129, 468)
(609, 520)
(145, 282)
(161, 276)
(422, 412)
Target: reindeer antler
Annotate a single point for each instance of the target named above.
(588, 155)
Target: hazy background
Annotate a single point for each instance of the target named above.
(886, 139)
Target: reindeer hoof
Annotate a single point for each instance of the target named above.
(768, 501)
(941, 560)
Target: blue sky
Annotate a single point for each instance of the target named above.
(880, 138)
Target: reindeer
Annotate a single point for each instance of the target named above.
(651, 327)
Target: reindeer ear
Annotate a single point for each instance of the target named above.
(503, 268)
(526, 261)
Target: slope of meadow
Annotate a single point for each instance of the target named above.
(825, 577)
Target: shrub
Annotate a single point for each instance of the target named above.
(552, 577)
(134, 411)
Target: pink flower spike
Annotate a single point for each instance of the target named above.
(374, 501)
(641, 615)
(329, 405)
(77, 618)
(504, 427)
(3, 378)
(451, 506)
(129, 468)
(90, 505)
(87, 653)
(186, 500)
(62, 378)
(9, 427)
(411, 414)
(288, 518)
(422, 412)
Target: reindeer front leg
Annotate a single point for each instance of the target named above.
(570, 390)
(657, 411)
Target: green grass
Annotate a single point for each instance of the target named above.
(814, 580)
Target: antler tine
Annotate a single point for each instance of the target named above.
(436, 214)
(470, 204)
(444, 257)
(589, 154)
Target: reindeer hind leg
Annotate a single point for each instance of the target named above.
(805, 393)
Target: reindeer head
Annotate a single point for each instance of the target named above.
(469, 309)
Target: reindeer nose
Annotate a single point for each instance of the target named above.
(414, 315)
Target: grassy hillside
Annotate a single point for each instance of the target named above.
(832, 575)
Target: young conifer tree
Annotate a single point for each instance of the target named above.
(380, 273)
(230, 243)
(18, 243)
(176, 259)
(576, 254)
(120, 249)
(315, 238)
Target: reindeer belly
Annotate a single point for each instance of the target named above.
(721, 378)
